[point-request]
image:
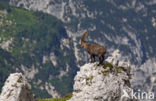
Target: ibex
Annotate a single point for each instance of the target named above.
(93, 49)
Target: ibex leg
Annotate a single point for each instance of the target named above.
(101, 58)
(92, 58)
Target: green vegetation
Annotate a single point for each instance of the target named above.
(105, 72)
(6, 68)
(118, 69)
(22, 17)
(15, 85)
(108, 65)
(89, 80)
(33, 35)
(4, 4)
(57, 99)
(62, 84)
(39, 93)
(19, 80)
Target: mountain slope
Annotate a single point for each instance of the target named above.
(37, 45)
(125, 25)
(129, 26)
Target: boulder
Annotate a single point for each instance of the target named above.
(100, 83)
(16, 88)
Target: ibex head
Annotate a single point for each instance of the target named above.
(83, 42)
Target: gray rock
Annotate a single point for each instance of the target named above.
(16, 88)
(95, 83)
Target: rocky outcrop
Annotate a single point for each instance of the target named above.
(107, 82)
(16, 88)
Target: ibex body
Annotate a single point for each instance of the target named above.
(93, 49)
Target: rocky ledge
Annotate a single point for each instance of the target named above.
(106, 82)
(16, 88)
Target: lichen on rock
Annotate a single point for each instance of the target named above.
(101, 83)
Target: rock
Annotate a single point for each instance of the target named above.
(96, 83)
(16, 88)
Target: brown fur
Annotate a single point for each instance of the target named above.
(93, 49)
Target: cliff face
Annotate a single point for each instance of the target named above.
(102, 83)
(16, 88)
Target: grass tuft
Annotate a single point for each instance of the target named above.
(105, 72)
(19, 80)
(67, 97)
(88, 80)
(15, 85)
(108, 65)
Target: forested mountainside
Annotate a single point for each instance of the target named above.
(127, 25)
(37, 45)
